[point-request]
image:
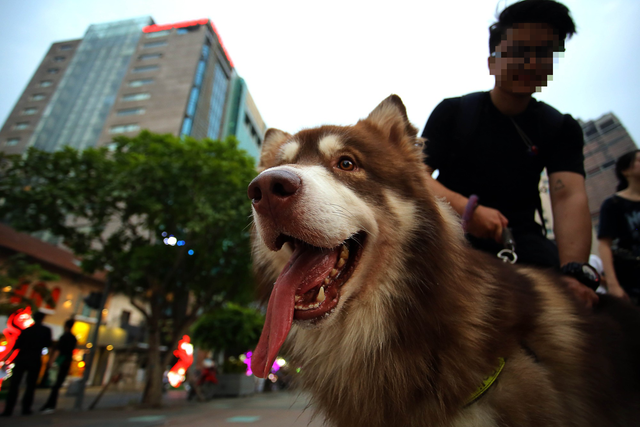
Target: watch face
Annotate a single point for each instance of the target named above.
(590, 272)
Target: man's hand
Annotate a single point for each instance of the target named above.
(487, 223)
(588, 297)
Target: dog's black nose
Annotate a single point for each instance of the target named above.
(272, 188)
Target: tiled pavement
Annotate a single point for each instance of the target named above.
(117, 409)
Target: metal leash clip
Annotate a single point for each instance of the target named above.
(508, 254)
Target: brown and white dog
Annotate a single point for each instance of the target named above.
(395, 320)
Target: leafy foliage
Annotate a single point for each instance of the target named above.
(15, 272)
(115, 208)
(232, 327)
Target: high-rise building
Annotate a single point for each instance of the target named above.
(125, 76)
(606, 139)
(243, 119)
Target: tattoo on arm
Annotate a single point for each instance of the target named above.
(559, 185)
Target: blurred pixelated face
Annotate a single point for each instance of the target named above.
(523, 61)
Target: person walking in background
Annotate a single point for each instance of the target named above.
(29, 359)
(62, 357)
(619, 230)
(496, 144)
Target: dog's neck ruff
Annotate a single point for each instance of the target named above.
(486, 383)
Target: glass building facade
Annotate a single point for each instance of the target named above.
(216, 107)
(77, 111)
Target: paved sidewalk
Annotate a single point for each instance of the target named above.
(282, 409)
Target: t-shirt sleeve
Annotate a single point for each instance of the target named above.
(439, 133)
(567, 154)
(608, 220)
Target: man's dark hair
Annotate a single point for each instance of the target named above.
(69, 323)
(38, 316)
(623, 163)
(549, 12)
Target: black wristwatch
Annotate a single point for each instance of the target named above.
(583, 272)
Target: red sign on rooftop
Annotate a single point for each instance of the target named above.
(154, 28)
(184, 24)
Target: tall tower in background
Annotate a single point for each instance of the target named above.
(606, 139)
(243, 118)
(130, 75)
(73, 89)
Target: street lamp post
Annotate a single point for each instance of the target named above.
(92, 350)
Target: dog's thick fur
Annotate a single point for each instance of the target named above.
(424, 318)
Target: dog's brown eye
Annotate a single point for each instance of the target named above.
(346, 164)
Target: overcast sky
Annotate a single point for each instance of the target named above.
(331, 62)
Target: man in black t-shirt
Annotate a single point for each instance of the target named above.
(63, 358)
(496, 144)
(29, 345)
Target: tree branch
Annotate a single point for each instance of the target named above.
(140, 308)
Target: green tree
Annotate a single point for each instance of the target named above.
(16, 272)
(233, 329)
(115, 208)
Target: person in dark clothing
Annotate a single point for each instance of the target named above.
(496, 144)
(29, 360)
(619, 231)
(63, 358)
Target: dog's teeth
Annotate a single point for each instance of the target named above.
(326, 280)
(345, 253)
(320, 296)
(298, 298)
(341, 262)
(334, 272)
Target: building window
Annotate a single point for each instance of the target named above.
(593, 170)
(46, 83)
(591, 130)
(607, 123)
(192, 104)
(186, 126)
(130, 111)
(12, 141)
(216, 103)
(149, 56)
(21, 125)
(186, 30)
(155, 44)
(140, 82)
(53, 70)
(136, 96)
(37, 97)
(158, 34)
(30, 111)
(66, 47)
(125, 317)
(132, 127)
(145, 68)
(59, 58)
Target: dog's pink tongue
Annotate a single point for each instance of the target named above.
(306, 269)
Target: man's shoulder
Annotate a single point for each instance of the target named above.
(550, 112)
(481, 95)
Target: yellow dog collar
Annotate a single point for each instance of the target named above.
(486, 383)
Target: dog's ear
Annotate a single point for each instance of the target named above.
(390, 116)
(273, 139)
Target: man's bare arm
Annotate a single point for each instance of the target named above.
(485, 222)
(457, 201)
(571, 217)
